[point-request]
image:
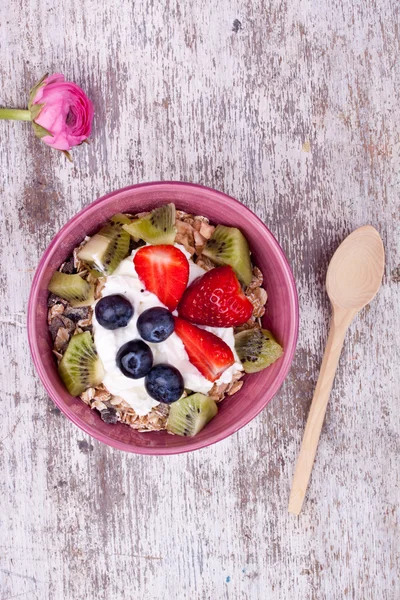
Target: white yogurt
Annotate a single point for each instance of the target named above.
(126, 282)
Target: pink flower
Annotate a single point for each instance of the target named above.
(61, 112)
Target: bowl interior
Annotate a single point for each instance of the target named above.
(281, 315)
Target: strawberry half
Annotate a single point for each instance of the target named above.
(164, 270)
(206, 351)
(216, 299)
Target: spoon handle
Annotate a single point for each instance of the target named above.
(337, 333)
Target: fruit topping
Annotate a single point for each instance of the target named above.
(113, 311)
(80, 367)
(189, 415)
(135, 359)
(156, 228)
(164, 270)
(164, 383)
(257, 349)
(155, 324)
(228, 246)
(105, 250)
(73, 288)
(216, 299)
(206, 351)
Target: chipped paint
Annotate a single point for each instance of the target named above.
(179, 94)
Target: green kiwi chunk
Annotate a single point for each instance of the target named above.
(257, 349)
(156, 228)
(228, 246)
(73, 288)
(105, 250)
(189, 415)
(80, 367)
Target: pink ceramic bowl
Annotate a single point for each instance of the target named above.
(281, 315)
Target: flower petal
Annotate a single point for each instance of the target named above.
(67, 112)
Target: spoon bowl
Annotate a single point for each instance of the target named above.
(355, 272)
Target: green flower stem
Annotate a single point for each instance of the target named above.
(15, 113)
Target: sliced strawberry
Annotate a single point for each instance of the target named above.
(164, 270)
(216, 299)
(206, 351)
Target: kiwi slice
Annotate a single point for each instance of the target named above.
(105, 250)
(156, 228)
(80, 367)
(189, 415)
(228, 246)
(73, 288)
(257, 349)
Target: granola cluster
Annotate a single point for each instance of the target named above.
(65, 321)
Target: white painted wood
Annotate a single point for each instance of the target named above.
(293, 108)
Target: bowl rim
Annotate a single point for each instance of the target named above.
(192, 444)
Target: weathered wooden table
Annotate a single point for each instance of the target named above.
(293, 108)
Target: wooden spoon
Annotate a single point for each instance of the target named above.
(354, 276)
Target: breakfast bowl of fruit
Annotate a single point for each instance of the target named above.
(163, 318)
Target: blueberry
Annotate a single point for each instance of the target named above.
(164, 383)
(135, 359)
(155, 324)
(113, 311)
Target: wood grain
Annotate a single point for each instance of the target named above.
(293, 108)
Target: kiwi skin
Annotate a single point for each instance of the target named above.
(73, 288)
(190, 414)
(107, 248)
(156, 228)
(257, 349)
(81, 367)
(228, 246)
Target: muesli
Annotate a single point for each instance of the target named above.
(156, 318)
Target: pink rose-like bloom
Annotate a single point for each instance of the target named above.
(67, 112)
